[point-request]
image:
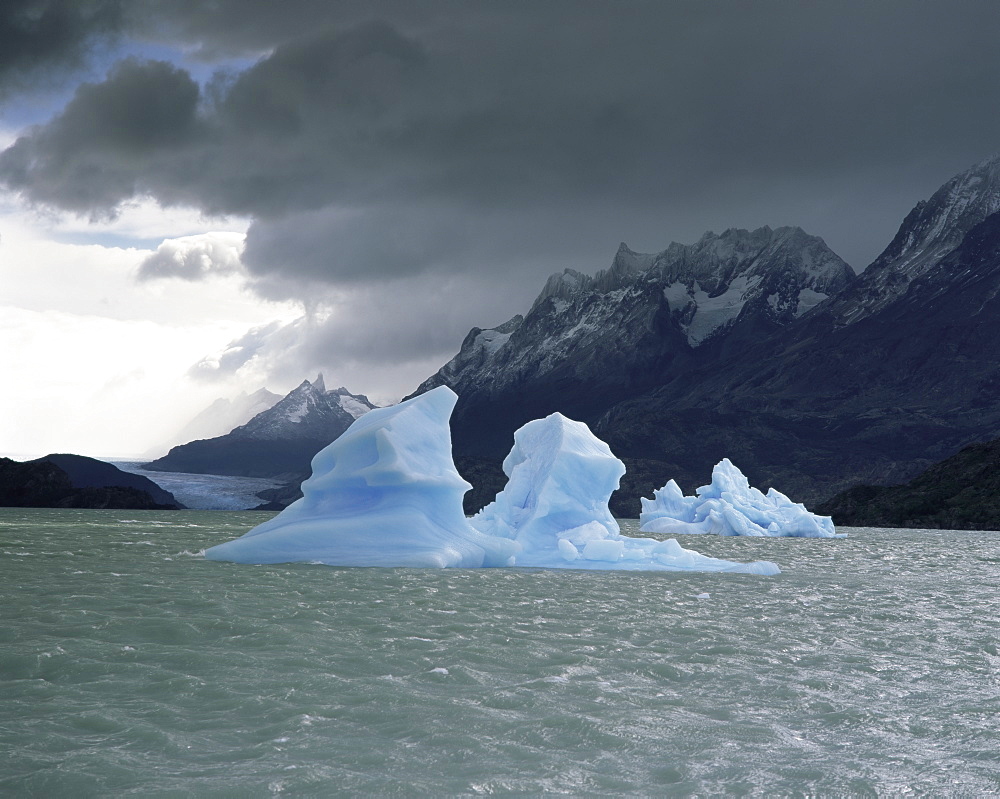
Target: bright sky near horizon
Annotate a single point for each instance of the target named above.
(198, 199)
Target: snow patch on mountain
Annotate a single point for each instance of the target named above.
(308, 411)
(711, 313)
(353, 405)
(700, 290)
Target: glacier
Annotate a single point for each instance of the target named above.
(729, 505)
(386, 493)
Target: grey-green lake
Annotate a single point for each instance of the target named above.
(131, 666)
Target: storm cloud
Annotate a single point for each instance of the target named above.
(41, 40)
(403, 144)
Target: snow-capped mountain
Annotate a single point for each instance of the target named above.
(279, 441)
(307, 412)
(930, 231)
(588, 342)
(761, 346)
(708, 284)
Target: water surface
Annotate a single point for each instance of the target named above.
(129, 665)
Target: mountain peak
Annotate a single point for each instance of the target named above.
(990, 164)
(307, 412)
(563, 286)
(708, 283)
(930, 231)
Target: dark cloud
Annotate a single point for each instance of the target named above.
(42, 38)
(493, 106)
(387, 142)
(109, 141)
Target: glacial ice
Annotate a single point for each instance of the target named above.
(729, 505)
(386, 493)
(555, 507)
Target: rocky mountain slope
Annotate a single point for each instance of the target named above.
(277, 443)
(960, 493)
(929, 232)
(588, 343)
(761, 346)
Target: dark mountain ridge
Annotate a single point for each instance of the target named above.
(588, 343)
(960, 493)
(806, 376)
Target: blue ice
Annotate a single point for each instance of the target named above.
(386, 493)
(729, 505)
(555, 507)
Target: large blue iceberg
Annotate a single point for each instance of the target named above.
(729, 505)
(386, 493)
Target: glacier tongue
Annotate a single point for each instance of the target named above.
(729, 505)
(555, 506)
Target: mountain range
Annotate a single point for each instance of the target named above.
(762, 346)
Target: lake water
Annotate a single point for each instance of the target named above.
(129, 665)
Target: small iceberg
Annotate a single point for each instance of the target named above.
(729, 505)
(555, 507)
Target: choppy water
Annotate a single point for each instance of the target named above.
(130, 666)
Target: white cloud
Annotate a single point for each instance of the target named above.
(195, 257)
(96, 386)
(96, 361)
(145, 219)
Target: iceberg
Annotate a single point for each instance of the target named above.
(729, 505)
(555, 507)
(385, 493)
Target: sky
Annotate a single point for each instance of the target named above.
(203, 198)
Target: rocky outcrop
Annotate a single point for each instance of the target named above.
(45, 483)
